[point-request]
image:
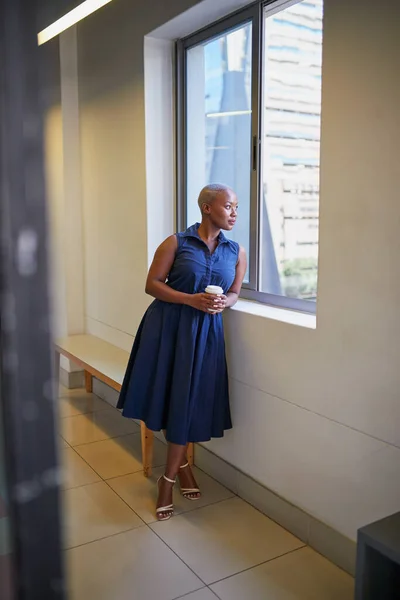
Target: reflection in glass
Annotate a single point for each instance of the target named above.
(292, 65)
(219, 121)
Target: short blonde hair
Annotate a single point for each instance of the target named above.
(209, 193)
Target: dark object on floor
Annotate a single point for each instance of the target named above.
(378, 560)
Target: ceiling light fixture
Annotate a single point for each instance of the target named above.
(74, 16)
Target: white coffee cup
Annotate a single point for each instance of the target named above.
(215, 290)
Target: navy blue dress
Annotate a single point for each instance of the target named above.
(177, 377)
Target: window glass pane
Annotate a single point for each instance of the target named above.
(291, 114)
(218, 89)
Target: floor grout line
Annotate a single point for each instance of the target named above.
(256, 507)
(109, 486)
(123, 435)
(90, 466)
(163, 541)
(212, 591)
(83, 414)
(97, 473)
(114, 437)
(188, 512)
(184, 512)
(264, 562)
(197, 508)
(179, 557)
(194, 591)
(102, 480)
(124, 501)
(215, 594)
(89, 412)
(68, 396)
(155, 467)
(106, 537)
(193, 510)
(233, 574)
(189, 593)
(64, 440)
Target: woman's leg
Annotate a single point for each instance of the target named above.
(186, 477)
(187, 480)
(184, 459)
(175, 456)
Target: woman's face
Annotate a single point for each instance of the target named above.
(223, 210)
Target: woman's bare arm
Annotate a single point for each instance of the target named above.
(161, 267)
(233, 294)
(158, 274)
(159, 271)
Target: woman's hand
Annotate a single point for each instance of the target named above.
(220, 303)
(207, 303)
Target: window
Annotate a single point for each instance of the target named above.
(249, 91)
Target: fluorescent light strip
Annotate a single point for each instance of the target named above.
(231, 113)
(77, 14)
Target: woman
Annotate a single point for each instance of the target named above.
(176, 379)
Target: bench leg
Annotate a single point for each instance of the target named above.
(88, 382)
(190, 454)
(147, 449)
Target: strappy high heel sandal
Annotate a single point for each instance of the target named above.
(188, 492)
(165, 509)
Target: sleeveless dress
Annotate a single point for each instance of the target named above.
(177, 377)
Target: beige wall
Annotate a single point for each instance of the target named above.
(55, 193)
(63, 183)
(316, 412)
(111, 89)
(53, 148)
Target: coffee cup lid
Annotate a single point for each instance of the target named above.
(214, 289)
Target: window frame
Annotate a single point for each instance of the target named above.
(254, 13)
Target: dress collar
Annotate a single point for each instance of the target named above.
(193, 231)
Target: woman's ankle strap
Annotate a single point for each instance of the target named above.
(169, 480)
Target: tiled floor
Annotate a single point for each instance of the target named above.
(219, 547)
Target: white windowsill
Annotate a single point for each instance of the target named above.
(277, 314)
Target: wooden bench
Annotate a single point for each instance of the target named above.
(107, 363)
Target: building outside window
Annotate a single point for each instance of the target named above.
(251, 118)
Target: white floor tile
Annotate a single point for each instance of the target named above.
(80, 403)
(225, 538)
(120, 456)
(75, 470)
(93, 427)
(141, 493)
(135, 565)
(300, 575)
(92, 512)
